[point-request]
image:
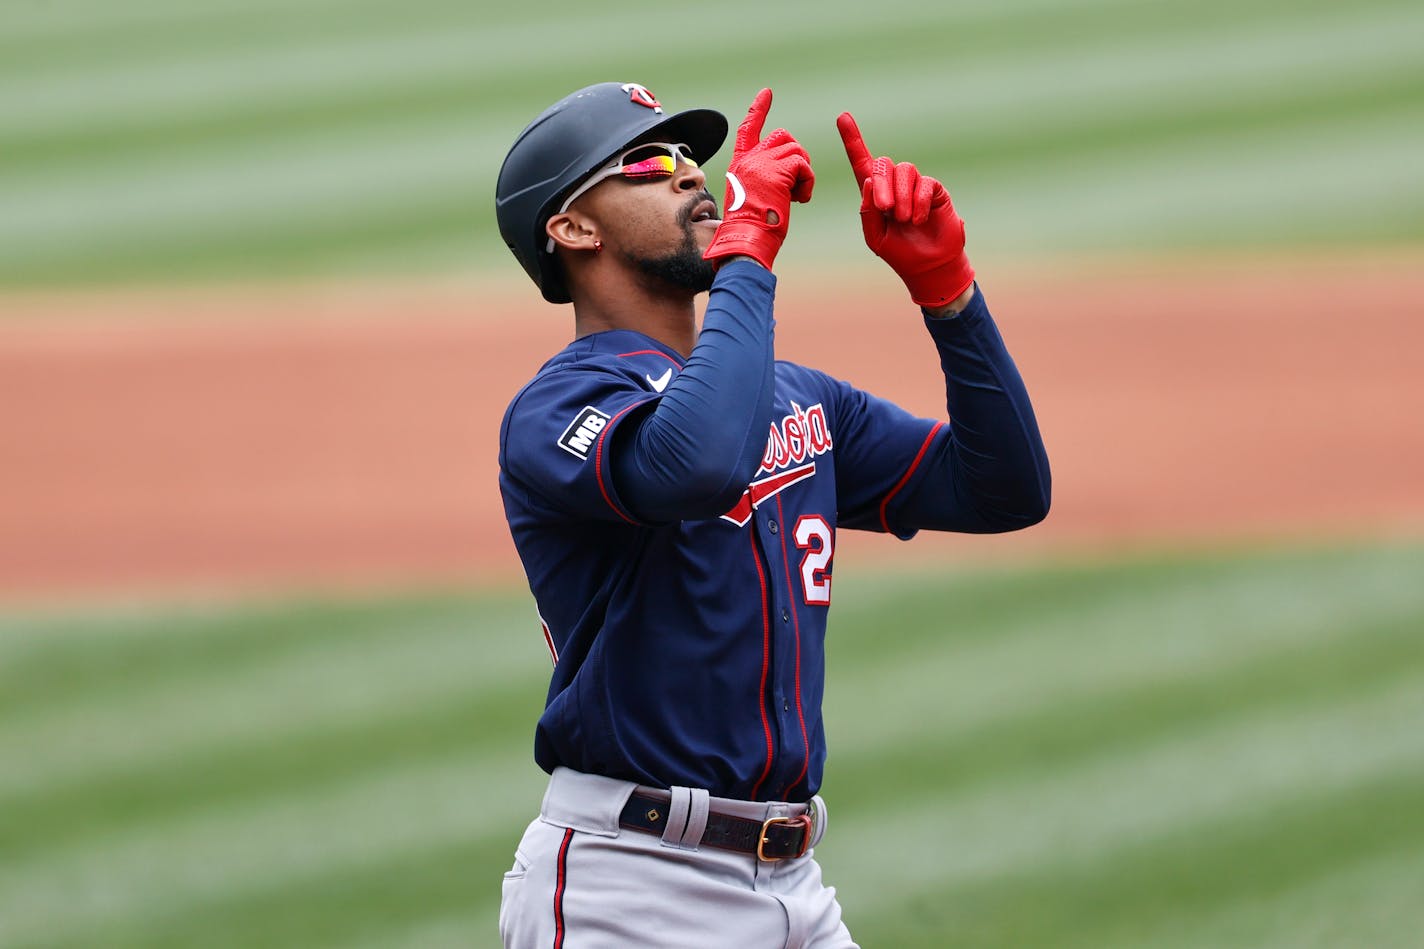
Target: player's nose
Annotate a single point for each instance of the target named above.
(689, 177)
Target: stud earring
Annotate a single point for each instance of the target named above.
(597, 246)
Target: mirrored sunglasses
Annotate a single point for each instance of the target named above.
(651, 161)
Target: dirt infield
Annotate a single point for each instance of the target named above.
(187, 441)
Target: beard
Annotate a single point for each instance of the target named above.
(683, 268)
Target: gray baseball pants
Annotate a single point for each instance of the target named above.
(580, 881)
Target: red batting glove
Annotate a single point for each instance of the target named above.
(763, 178)
(909, 222)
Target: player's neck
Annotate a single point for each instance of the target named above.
(671, 319)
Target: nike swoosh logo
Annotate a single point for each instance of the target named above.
(660, 383)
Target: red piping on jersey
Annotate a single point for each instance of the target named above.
(759, 491)
(884, 524)
(765, 664)
(549, 641)
(652, 352)
(563, 874)
(796, 627)
(598, 462)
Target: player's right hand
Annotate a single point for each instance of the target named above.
(763, 178)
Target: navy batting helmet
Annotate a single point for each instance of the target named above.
(568, 142)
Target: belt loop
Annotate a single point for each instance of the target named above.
(687, 818)
(820, 816)
(678, 809)
(697, 819)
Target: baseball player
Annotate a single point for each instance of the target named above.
(675, 495)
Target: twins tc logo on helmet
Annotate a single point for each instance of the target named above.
(643, 97)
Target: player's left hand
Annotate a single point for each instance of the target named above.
(909, 222)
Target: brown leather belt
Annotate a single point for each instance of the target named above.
(777, 838)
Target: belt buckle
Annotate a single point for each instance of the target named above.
(803, 819)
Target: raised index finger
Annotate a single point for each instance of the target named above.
(749, 132)
(859, 155)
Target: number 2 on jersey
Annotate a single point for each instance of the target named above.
(814, 536)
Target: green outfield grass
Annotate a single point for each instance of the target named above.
(1162, 751)
(158, 140)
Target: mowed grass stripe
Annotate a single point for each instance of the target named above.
(1016, 132)
(87, 28)
(322, 193)
(46, 23)
(143, 725)
(304, 115)
(306, 754)
(1123, 710)
(1243, 192)
(1179, 602)
(1124, 717)
(195, 90)
(1302, 875)
(1173, 201)
(150, 34)
(1171, 746)
(1013, 54)
(386, 904)
(55, 660)
(1021, 72)
(1370, 902)
(1084, 130)
(265, 183)
(1242, 769)
(224, 38)
(207, 77)
(394, 232)
(1067, 635)
(1035, 78)
(266, 848)
(1167, 195)
(1296, 50)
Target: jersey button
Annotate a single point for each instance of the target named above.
(771, 526)
(785, 615)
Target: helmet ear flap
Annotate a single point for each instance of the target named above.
(556, 275)
(567, 143)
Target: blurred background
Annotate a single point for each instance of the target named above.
(268, 666)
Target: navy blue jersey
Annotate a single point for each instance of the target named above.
(690, 651)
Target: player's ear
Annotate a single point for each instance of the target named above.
(572, 230)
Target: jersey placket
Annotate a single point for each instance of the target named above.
(789, 760)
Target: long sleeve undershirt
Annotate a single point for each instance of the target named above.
(991, 474)
(691, 454)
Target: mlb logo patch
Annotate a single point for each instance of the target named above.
(583, 431)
